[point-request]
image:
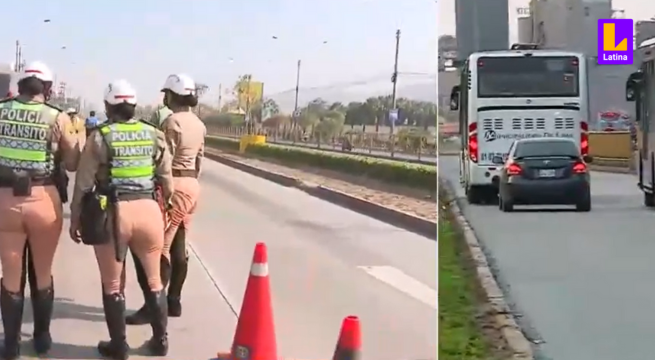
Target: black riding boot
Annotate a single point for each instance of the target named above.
(117, 347)
(140, 317)
(11, 306)
(42, 306)
(179, 270)
(156, 303)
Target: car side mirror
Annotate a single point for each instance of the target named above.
(588, 159)
(633, 85)
(498, 160)
(454, 98)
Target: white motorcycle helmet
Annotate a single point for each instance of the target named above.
(119, 92)
(180, 84)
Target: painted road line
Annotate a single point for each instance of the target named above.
(404, 283)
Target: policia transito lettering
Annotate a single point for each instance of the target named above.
(131, 176)
(18, 123)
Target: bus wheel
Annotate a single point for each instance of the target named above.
(649, 200)
(474, 195)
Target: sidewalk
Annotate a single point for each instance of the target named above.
(206, 327)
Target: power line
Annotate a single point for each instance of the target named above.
(366, 81)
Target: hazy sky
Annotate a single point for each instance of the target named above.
(143, 41)
(634, 9)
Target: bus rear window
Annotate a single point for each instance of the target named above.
(533, 76)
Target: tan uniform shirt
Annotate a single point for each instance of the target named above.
(185, 135)
(94, 167)
(68, 146)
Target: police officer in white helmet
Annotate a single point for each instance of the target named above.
(31, 197)
(123, 160)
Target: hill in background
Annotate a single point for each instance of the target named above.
(420, 91)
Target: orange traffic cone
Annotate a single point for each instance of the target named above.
(254, 338)
(349, 343)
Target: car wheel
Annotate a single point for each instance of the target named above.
(585, 205)
(649, 200)
(474, 195)
(506, 205)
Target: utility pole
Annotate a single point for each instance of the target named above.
(249, 122)
(17, 57)
(295, 104)
(394, 80)
(220, 96)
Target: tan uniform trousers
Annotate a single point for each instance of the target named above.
(184, 200)
(36, 218)
(141, 228)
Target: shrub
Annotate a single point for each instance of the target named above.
(396, 172)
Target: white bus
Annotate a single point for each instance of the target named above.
(514, 94)
(640, 88)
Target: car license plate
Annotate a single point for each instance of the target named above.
(547, 173)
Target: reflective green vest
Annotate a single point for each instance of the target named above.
(24, 132)
(132, 155)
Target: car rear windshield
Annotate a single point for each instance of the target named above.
(546, 148)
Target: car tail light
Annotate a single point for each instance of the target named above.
(584, 138)
(473, 142)
(514, 169)
(580, 168)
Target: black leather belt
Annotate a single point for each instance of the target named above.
(135, 196)
(185, 173)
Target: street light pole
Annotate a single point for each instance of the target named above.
(394, 79)
(297, 90)
(295, 104)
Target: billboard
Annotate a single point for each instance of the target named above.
(249, 93)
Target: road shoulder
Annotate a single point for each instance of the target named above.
(206, 327)
(519, 346)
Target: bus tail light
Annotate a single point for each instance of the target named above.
(473, 142)
(584, 138)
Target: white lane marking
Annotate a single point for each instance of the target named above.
(404, 283)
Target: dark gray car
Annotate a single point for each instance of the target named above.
(544, 171)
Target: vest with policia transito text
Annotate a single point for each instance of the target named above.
(131, 156)
(24, 132)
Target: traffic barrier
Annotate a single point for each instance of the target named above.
(349, 343)
(613, 145)
(254, 338)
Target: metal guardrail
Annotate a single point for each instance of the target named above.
(401, 147)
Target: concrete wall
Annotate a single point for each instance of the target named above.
(524, 26)
(481, 25)
(569, 24)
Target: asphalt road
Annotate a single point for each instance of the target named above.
(326, 262)
(583, 283)
(426, 159)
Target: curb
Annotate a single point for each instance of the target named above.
(415, 224)
(505, 321)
